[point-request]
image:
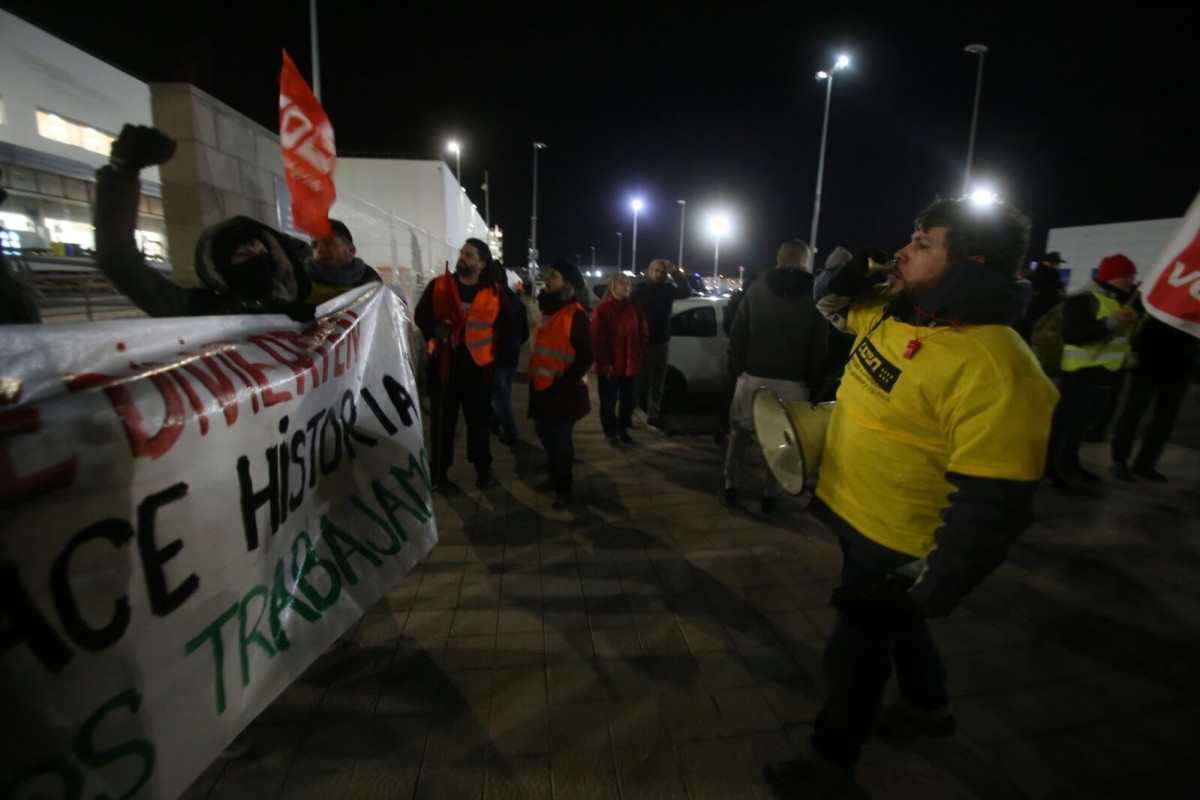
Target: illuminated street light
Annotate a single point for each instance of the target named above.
(978, 50)
(453, 147)
(843, 61)
(637, 205)
(719, 226)
(984, 197)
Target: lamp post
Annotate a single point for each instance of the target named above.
(841, 63)
(620, 249)
(682, 214)
(637, 206)
(533, 251)
(316, 49)
(453, 147)
(592, 247)
(978, 50)
(718, 226)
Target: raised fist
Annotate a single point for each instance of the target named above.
(139, 146)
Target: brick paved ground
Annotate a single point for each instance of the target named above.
(650, 643)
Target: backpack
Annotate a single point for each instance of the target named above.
(1046, 340)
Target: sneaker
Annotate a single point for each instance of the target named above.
(1120, 471)
(613, 440)
(903, 721)
(768, 504)
(238, 748)
(1150, 474)
(806, 777)
(728, 495)
(626, 438)
(485, 478)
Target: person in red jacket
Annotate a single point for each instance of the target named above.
(619, 336)
(562, 356)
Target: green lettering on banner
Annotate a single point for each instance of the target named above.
(334, 537)
(303, 568)
(281, 601)
(396, 536)
(244, 638)
(213, 631)
(86, 750)
(405, 479)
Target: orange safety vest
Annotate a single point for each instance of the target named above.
(481, 316)
(552, 350)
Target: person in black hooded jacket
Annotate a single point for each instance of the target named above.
(246, 267)
(930, 463)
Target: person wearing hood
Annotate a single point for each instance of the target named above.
(463, 319)
(562, 356)
(619, 336)
(1097, 324)
(335, 267)
(777, 341)
(930, 464)
(245, 267)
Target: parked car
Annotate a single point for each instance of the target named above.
(696, 366)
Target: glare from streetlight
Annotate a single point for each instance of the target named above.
(842, 62)
(453, 147)
(719, 225)
(984, 197)
(822, 75)
(637, 204)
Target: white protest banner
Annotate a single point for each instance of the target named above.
(1171, 290)
(193, 510)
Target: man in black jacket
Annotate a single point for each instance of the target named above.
(657, 296)
(930, 464)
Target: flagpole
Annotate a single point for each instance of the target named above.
(316, 50)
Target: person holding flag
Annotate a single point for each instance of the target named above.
(461, 317)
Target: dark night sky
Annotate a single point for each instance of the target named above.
(1086, 117)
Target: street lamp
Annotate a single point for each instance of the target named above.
(718, 226)
(984, 197)
(533, 251)
(978, 50)
(637, 205)
(842, 62)
(453, 147)
(620, 249)
(682, 214)
(592, 247)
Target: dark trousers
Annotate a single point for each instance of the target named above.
(555, 436)
(1167, 393)
(468, 388)
(1078, 406)
(1098, 428)
(617, 388)
(877, 629)
(654, 372)
(502, 410)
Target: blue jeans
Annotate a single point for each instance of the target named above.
(555, 435)
(618, 387)
(502, 410)
(877, 629)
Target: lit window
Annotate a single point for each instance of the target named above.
(68, 232)
(54, 127)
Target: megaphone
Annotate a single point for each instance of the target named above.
(792, 436)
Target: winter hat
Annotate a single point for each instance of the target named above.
(1113, 267)
(838, 258)
(232, 235)
(573, 276)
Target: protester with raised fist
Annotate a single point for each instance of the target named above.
(246, 267)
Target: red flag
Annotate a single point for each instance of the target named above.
(309, 157)
(448, 311)
(1172, 289)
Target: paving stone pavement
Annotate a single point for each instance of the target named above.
(649, 643)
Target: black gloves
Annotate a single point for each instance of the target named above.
(869, 267)
(138, 146)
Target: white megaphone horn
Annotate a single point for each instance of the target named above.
(792, 436)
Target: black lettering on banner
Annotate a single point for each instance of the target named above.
(20, 621)
(331, 420)
(118, 532)
(387, 424)
(312, 447)
(284, 463)
(401, 400)
(883, 372)
(162, 601)
(349, 418)
(298, 459)
(252, 500)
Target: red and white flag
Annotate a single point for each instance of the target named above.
(309, 157)
(1171, 290)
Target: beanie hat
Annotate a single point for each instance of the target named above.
(1113, 267)
(228, 237)
(573, 276)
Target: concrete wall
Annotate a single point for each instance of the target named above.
(1085, 245)
(225, 166)
(40, 71)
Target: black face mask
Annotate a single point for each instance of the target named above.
(250, 279)
(549, 301)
